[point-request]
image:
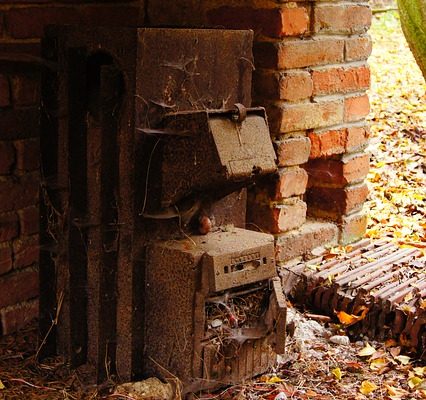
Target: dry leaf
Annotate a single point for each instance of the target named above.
(367, 351)
(378, 364)
(337, 373)
(2, 386)
(350, 319)
(367, 387)
(391, 343)
(414, 381)
(274, 379)
(419, 371)
(404, 360)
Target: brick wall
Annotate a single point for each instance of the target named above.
(311, 74)
(21, 26)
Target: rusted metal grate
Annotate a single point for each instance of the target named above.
(387, 280)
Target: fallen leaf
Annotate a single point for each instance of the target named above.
(367, 387)
(419, 371)
(274, 379)
(404, 360)
(395, 393)
(2, 386)
(350, 319)
(378, 364)
(391, 343)
(367, 351)
(337, 373)
(414, 381)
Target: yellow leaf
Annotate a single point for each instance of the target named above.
(404, 360)
(337, 373)
(274, 379)
(367, 387)
(2, 386)
(395, 393)
(367, 351)
(414, 381)
(378, 364)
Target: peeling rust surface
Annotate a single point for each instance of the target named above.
(388, 280)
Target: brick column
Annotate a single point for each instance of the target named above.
(311, 74)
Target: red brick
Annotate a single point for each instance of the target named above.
(19, 193)
(358, 48)
(4, 91)
(293, 151)
(19, 124)
(18, 287)
(298, 242)
(25, 90)
(7, 157)
(28, 154)
(25, 23)
(29, 22)
(298, 117)
(273, 22)
(289, 86)
(336, 202)
(279, 218)
(298, 53)
(290, 181)
(29, 220)
(356, 108)
(337, 141)
(25, 251)
(9, 227)
(353, 227)
(17, 317)
(6, 261)
(346, 19)
(340, 80)
(338, 173)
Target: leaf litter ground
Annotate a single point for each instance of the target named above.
(316, 365)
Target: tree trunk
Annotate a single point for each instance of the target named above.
(413, 21)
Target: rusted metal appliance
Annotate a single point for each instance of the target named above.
(148, 144)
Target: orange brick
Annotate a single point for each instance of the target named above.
(337, 141)
(298, 53)
(289, 86)
(18, 316)
(293, 151)
(356, 108)
(353, 227)
(358, 48)
(273, 22)
(18, 287)
(334, 203)
(280, 218)
(340, 80)
(338, 173)
(297, 117)
(290, 181)
(346, 19)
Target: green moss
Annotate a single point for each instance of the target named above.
(413, 21)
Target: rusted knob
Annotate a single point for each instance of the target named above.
(240, 112)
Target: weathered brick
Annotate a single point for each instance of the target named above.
(334, 203)
(356, 108)
(19, 193)
(289, 86)
(27, 154)
(25, 251)
(301, 241)
(19, 124)
(298, 117)
(298, 53)
(293, 151)
(358, 48)
(6, 261)
(25, 90)
(29, 220)
(18, 316)
(338, 173)
(18, 287)
(340, 80)
(4, 91)
(353, 227)
(9, 227)
(279, 218)
(7, 157)
(290, 181)
(337, 141)
(346, 19)
(112, 16)
(273, 22)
